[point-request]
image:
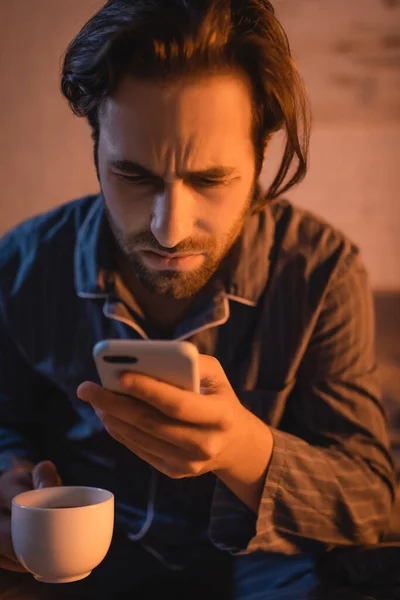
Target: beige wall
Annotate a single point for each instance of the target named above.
(349, 53)
(45, 152)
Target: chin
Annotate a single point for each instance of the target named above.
(171, 286)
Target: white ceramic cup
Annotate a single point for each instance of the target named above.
(61, 545)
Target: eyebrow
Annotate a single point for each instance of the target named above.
(133, 167)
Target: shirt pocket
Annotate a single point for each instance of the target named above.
(267, 404)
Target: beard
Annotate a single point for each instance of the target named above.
(176, 284)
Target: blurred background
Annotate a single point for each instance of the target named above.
(348, 52)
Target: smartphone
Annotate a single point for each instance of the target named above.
(173, 362)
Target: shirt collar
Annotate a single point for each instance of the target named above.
(244, 278)
(248, 270)
(94, 264)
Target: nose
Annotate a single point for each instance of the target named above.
(172, 218)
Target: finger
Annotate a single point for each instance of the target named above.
(11, 565)
(93, 393)
(178, 404)
(155, 461)
(122, 407)
(145, 418)
(104, 400)
(140, 452)
(45, 474)
(130, 408)
(133, 437)
(163, 434)
(166, 467)
(213, 379)
(13, 483)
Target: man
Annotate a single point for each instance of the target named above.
(284, 454)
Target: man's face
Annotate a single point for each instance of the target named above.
(177, 168)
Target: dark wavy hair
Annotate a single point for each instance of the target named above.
(181, 38)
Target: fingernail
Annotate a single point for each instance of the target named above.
(100, 413)
(84, 391)
(81, 395)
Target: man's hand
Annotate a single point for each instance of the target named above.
(13, 482)
(180, 433)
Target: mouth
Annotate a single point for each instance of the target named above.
(176, 262)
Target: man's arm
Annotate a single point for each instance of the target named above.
(19, 415)
(250, 460)
(330, 480)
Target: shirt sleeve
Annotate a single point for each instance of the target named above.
(20, 415)
(331, 479)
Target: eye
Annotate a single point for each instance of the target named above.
(137, 179)
(207, 182)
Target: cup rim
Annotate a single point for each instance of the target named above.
(110, 496)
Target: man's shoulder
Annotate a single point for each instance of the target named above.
(303, 235)
(43, 236)
(62, 222)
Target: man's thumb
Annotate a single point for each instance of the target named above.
(212, 376)
(45, 474)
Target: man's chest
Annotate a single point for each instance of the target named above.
(258, 347)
